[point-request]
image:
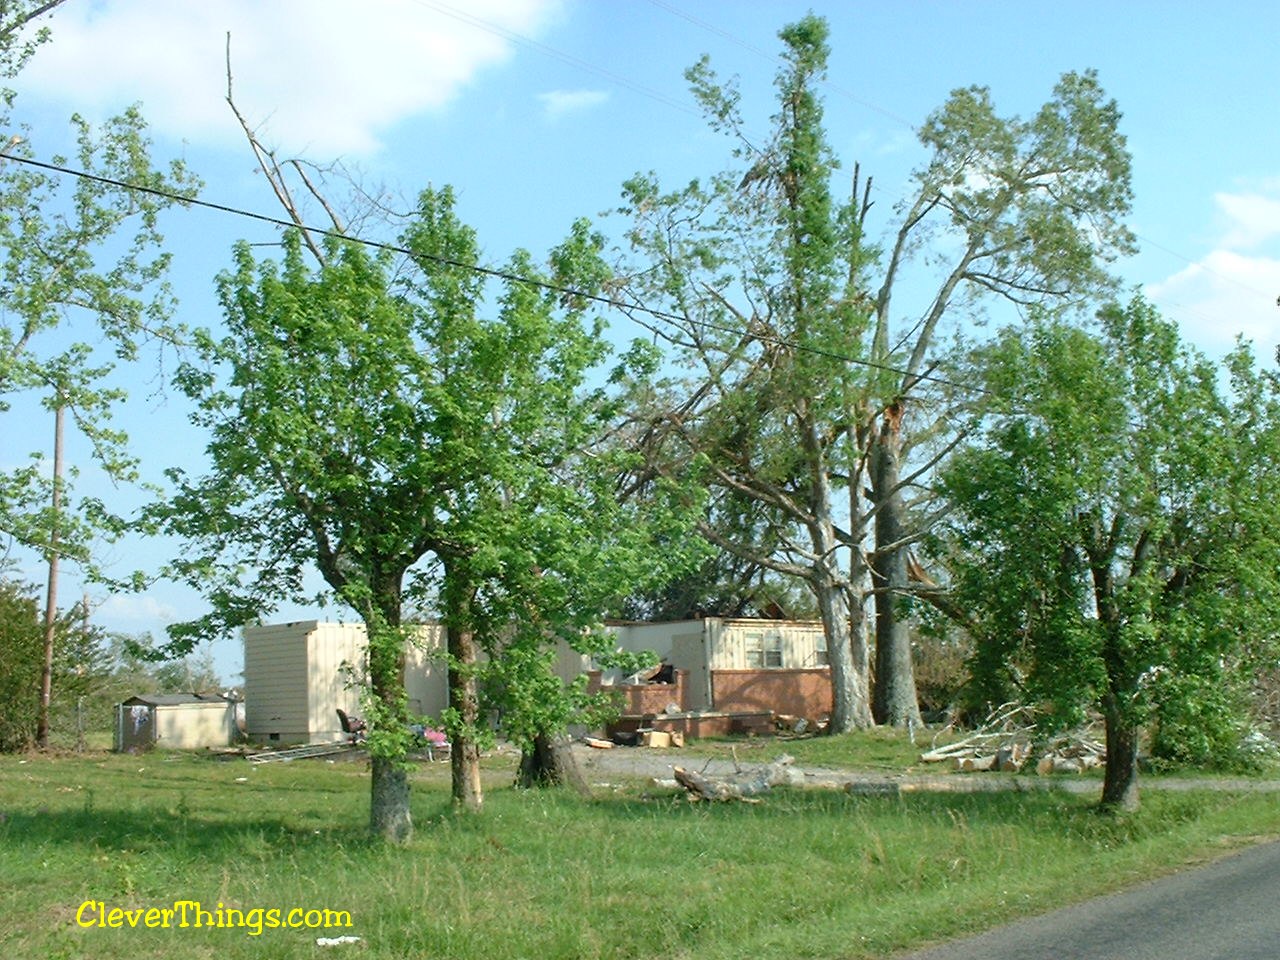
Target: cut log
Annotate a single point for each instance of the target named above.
(742, 786)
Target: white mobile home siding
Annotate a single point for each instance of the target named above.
(298, 675)
(803, 643)
(426, 676)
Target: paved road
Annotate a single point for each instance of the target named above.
(1228, 910)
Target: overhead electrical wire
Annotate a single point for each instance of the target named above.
(492, 272)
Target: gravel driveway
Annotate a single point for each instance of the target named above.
(628, 763)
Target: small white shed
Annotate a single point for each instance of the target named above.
(298, 675)
(177, 721)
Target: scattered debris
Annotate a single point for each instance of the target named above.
(598, 744)
(1007, 741)
(302, 753)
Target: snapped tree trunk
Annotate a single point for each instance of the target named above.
(1120, 782)
(550, 762)
(464, 697)
(894, 699)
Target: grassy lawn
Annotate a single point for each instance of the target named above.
(546, 875)
(881, 749)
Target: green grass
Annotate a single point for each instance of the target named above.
(545, 875)
(879, 749)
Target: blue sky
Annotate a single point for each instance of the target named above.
(536, 111)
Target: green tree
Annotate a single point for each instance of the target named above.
(810, 385)
(1029, 211)
(764, 271)
(82, 255)
(81, 666)
(725, 584)
(1115, 527)
(369, 420)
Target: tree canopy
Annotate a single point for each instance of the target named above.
(1115, 526)
(369, 420)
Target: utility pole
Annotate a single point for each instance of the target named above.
(51, 596)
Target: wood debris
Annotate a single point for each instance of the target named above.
(745, 786)
(1008, 740)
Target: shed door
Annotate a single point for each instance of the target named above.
(139, 727)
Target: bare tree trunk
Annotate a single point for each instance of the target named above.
(51, 593)
(1120, 783)
(464, 697)
(894, 698)
(851, 706)
(549, 763)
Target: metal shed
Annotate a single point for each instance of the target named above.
(180, 721)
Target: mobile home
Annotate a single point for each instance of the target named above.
(298, 675)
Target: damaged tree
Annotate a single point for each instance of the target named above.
(761, 273)
(741, 786)
(1032, 212)
(810, 389)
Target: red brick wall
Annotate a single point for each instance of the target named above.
(644, 698)
(800, 693)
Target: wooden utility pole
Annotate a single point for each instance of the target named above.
(51, 596)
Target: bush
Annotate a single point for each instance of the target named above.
(1202, 721)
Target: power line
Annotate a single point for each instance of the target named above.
(492, 272)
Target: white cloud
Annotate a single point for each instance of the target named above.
(557, 103)
(1224, 295)
(327, 76)
(123, 608)
(1232, 290)
(1252, 219)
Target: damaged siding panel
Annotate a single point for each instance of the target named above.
(689, 654)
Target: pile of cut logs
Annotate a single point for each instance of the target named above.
(1008, 741)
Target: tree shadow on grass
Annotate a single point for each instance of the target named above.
(158, 828)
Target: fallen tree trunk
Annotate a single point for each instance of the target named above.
(741, 786)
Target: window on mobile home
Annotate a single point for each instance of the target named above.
(763, 649)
